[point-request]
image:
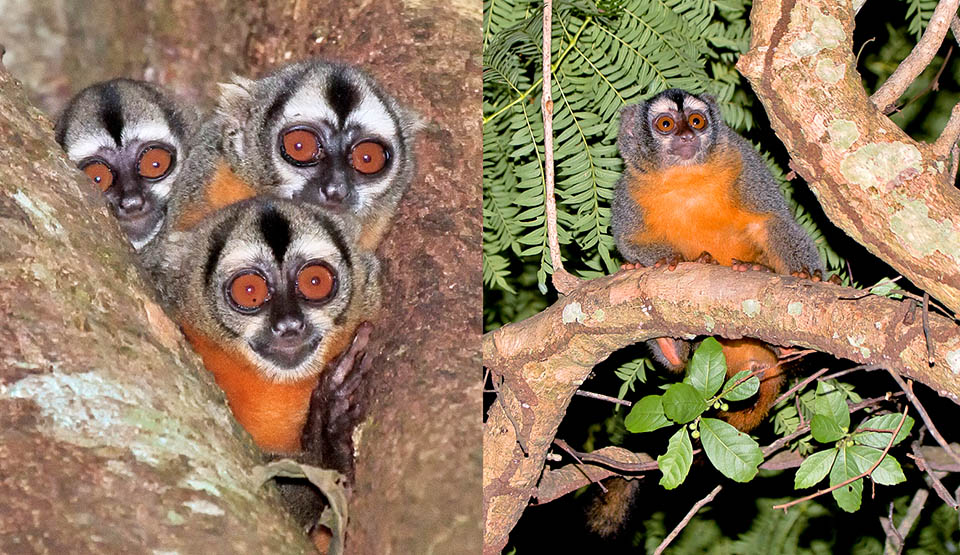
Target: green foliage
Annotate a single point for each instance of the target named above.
(604, 56)
(675, 462)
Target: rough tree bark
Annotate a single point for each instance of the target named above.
(890, 193)
(418, 476)
(111, 438)
(893, 195)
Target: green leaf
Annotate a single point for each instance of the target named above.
(849, 496)
(743, 391)
(814, 468)
(682, 403)
(646, 415)
(825, 429)
(707, 368)
(884, 422)
(888, 472)
(675, 463)
(831, 402)
(735, 454)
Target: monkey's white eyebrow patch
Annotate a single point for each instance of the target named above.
(372, 116)
(308, 104)
(691, 103)
(663, 104)
(314, 246)
(88, 144)
(241, 254)
(148, 131)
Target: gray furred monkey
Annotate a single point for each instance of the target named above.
(323, 133)
(693, 189)
(130, 137)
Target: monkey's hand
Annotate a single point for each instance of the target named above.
(816, 275)
(670, 261)
(337, 406)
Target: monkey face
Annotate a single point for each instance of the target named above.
(128, 137)
(323, 133)
(277, 281)
(682, 126)
(135, 179)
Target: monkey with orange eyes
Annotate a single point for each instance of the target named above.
(130, 138)
(323, 133)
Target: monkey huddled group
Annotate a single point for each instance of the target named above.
(258, 224)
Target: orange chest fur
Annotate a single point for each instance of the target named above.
(224, 189)
(695, 209)
(273, 413)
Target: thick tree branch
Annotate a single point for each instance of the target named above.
(918, 60)
(890, 193)
(112, 439)
(544, 359)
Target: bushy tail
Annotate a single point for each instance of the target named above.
(750, 355)
(608, 512)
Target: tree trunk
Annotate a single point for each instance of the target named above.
(418, 473)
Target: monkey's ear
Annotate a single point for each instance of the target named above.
(633, 127)
(235, 99)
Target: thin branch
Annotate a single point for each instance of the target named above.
(506, 412)
(601, 397)
(925, 319)
(935, 482)
(570, 451)
(607, 461)
(903, 530)
(800, 385)
(686, 520)
(864, 367)
(563, 281)
(908, 389)
(893, 438)
(914, 64)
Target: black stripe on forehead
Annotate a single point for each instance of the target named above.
(276, 232)
(111, 112)
(342, 95)
(677, 96)
(217, 241)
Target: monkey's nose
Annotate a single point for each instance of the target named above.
(131, 204)
(334, 192)
(288, 327)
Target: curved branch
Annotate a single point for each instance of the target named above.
(545, 358)
(918, 60)
(890, 193)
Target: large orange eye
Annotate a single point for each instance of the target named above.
(155, 162)
(697, 120)
(664, 124)
(368, 157)
(301, 147)
(249, 291)
(100, 173)
(315, 281)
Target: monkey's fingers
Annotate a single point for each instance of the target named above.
(631, 266)
(706, 258)
(741, 266)
(835, 279)
(669, 261)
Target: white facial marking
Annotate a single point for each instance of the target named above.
(662, 105)
(148, 131)
(372, 116)
(242, 254)
(89, 144)
(308, 105)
